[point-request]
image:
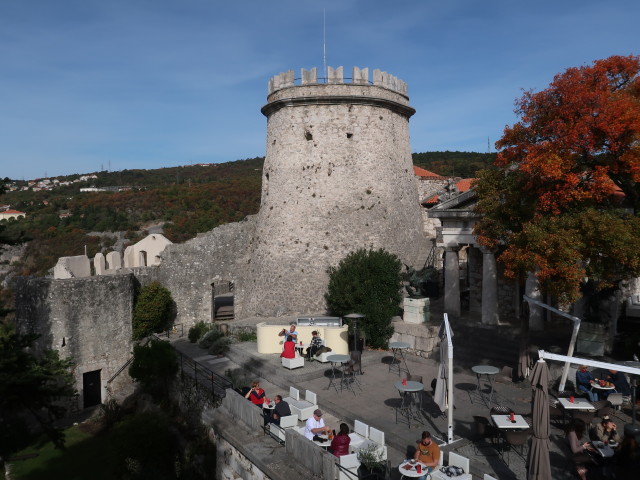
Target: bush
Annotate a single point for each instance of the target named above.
(210, 337)
(153, 310)
(198, 330)
(144, 447)
(247, 336)
(367, 282)
(155, 366)
(220, 346)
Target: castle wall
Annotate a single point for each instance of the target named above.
(87, 319)
(337, 177)
(189, 269)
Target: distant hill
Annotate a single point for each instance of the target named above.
(188, 200)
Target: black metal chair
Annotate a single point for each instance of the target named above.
(516, 438)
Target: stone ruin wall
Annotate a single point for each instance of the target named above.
(189, 269)
(87, 319)
(338, 176)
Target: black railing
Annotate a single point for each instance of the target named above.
(176, 329)
(203, 376)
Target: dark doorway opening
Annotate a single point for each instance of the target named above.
(92, 388)
(222, 301)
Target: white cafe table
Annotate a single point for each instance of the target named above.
(605, 451)
(578, 404)
(411, 472)
(410, 400)
(398, 361)
(503, 421)
(490, 372)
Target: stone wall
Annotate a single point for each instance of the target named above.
(190, 269)
(87, 319)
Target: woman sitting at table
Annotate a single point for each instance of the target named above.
(606, 431)
(256, 394)
(289, 348)
(583, 382)
(340, 443)
(579, 450)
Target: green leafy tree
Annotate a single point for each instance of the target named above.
(154, 366)
(31, 387)
(367, 282)
(153, 310)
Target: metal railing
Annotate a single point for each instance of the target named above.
(203, 376)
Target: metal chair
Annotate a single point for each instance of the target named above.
(585, 415)
(603, 408)
(616, 400)
(499, 410)
(483, 430)
(516, 438)
(555, 411)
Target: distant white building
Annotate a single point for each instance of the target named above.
(7, 214)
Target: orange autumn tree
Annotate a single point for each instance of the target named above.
(563, 197)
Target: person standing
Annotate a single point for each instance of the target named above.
(427, 453)
(291, 333)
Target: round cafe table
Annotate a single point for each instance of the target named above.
(398, 361)
(411, 472)
(490, 372)
(410, 401)
(337, 359)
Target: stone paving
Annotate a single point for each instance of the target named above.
(376, 404)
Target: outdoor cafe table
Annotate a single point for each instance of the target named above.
(398, 359)
(504, 422)
(602, 388)
(410, 400)
(578, 404)
(605, 451)
(337, 359)
(490, 372)
(411, 472)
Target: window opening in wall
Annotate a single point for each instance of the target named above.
(349, 135)
(307, 135)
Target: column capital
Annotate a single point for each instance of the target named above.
(487, 250)
(452, 249)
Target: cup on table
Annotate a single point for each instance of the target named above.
(404, 381)
(412, 461)
(602, 383)
(419, 468)
(512, 417)
(571, 399)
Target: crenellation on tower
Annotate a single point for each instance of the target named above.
(335, 76)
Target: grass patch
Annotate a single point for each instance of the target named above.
(87, 455)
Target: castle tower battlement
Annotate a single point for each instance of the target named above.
(337, 177)
(360, 76)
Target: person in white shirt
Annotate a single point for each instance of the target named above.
(315, 425)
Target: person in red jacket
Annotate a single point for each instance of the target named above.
(256, 394)
(340, 443)
(289, 348)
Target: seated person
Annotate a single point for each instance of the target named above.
(579, 450)
(427, 453)
(340, 443)
(291, 333)
(256, 394)
(315, 425)
(281, 410)
(316, 343)
(289, 348)
(606, 431)
(583, 382)
(619, 382)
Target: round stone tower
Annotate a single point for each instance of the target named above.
(337, 177)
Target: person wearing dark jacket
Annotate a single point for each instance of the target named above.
(281, 410)
(340, 443)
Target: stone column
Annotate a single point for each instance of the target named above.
(532, 290)
(451, 282)
(489, 288)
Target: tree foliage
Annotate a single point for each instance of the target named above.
(154, 366)
(367, 282)
(153, 311)
(31, 387)
(564, 196)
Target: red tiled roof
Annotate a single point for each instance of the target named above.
(421, 172)
(14, 212)
(462, 186)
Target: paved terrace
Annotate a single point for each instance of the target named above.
(376, 403)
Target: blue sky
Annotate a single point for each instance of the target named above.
(85, 84)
